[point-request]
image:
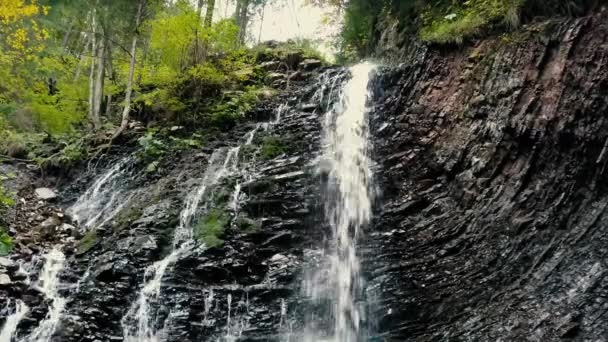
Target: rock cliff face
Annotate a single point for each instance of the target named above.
(493, 222)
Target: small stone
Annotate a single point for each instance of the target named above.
(45, 194)
(5, 279)
(67, 227)
(278, 258)
(6, 262)
(275, 76)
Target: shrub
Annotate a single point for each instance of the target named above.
(247, 225)
(6, 243)
(453, 23)
(210, 228)
(272, 147)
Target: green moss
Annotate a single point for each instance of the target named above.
(247, 152)
(448, 22)
(247, 225)
(6, 243)
(127, 216)
(210, 228)
(305, 48)
(225, 114)
(272, 147)
(88, 241)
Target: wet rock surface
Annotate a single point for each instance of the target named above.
(492, 225)
(255, 270)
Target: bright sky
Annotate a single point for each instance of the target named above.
(291, 19)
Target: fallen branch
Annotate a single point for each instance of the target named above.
(9, 158)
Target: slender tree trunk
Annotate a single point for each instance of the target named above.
(261, 23)
(66, 38)
(237, 11)
(209, 14)
(142, 60)
(197, 44)
(101, 53)
(110, 73)
(92, 74)
(243, 20)
(127, 109)
(199, 8)
(81, 58)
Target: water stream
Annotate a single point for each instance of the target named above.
(348, 210)
(48, 284)
(104, 199)
(12, 320)
(138, 323)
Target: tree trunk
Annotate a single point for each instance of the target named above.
(127, 109)
(197, 44)
(237, 11)
(261, 24)
(81, 57)
(142, 60)
(66, 38)
(101, 53)
(209, 14)
(92, 74)
(243, 20)
(199, 8)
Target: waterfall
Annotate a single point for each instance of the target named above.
(103, 199)
(48, 284)
(12, 321)
(348, 210)
(221, 163)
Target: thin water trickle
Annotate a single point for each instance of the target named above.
(48, 284)
(103, 199)
(13, 320)
(141, 312)
(348, 209)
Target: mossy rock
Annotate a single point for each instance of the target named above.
(6, 243)
(247, 152)
(246, 225)
(272, 147)
(211, 227)
(222, 194)
(88, 241)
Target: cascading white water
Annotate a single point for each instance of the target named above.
(13, 320)
(348, 207)
(102, 200)
(48, 284)
(220, 164)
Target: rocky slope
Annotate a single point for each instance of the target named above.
(493, 222)
(246, 286)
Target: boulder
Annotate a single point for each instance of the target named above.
(310, 64)
(270, 65)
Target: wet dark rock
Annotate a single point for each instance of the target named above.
(492, 214)
(310, 64)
